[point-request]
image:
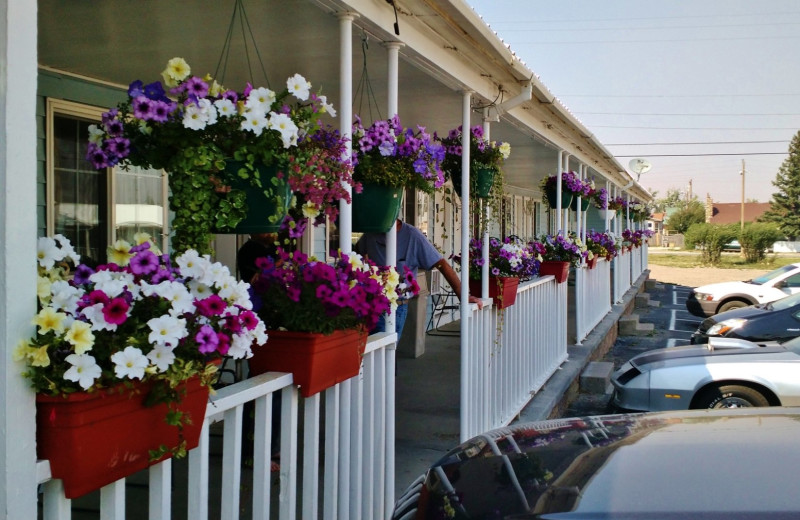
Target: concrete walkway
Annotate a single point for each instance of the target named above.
(428, 391)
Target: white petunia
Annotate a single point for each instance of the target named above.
(96, 135)
(241, 347)
(94, 313)
(255, 122)
(176, 293)
(193, 118)
(84, 370)
(129, 363)
(65, 297)
(48, 253)
(191, 264)
(299, 86)
(225, 107)
(111, 283)
(209, 110)
(161, 357)
(326, 107)
(199, 290)
(284, 124)
(236, 294)
(66, 249)
(167, 330)
(260, 99)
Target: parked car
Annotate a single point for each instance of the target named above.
(733, 245)
(714, 298)
(764, 323)
(710, 464)
(724, 373)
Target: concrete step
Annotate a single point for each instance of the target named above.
(596, 377)
(629, 326)
(642, 301)
(650, 284)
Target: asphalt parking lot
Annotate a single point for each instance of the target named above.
(672, 326)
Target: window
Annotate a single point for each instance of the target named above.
(92, 208)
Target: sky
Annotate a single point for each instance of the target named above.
(695, 87)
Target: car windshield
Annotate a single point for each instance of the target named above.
(764, 278)
(786, 303)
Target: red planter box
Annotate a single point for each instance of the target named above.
(502, 290)
(558, 269)
(92, 440)
(315, 360)
(593, 262)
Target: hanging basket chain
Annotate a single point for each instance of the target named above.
(244, 24)
(364, 85)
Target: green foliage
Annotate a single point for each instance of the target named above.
(785, 203)
(757, 238)
(682, 220)
(711, 238)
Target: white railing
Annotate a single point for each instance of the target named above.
(353, 479)
(622, 275)
(592, 297)
(511, 353)
(636, 262)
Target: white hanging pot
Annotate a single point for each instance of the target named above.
(607, 213)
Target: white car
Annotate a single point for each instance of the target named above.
(714, 298)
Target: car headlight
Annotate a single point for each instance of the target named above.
(703, 296)
(724, 327)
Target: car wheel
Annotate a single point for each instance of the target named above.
(731, 396)
(733, 304)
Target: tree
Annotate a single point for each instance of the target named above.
(785, 204)
(681, 220)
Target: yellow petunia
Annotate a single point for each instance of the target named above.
(177, 70)
(21, 351)
(48, 319)
(120, 253)
(43, 288)
(80, 336)
(39, 357)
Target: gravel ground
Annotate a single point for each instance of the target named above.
(700, 276)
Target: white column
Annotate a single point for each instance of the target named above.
(346, 119)
(346, 245)
(393, 55)
(466, 355)
(487, 213)
(17, 253)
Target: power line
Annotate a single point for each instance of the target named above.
(676, 114)
(674, 95)
(659, 18)
(701, 154)
(663, 40)
(699, 142)
(691, 128)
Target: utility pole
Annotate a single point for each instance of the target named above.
(742, 194)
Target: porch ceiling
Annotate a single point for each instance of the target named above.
(445, 52)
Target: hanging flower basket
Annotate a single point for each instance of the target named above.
(317, 361)
(552, 199)
(266, 206)
(558, 269)
(502, 290)
(376, 208)
(584, 203)
(607, 214)
(94, 439)
(481, 180)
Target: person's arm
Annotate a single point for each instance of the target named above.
(452, 278)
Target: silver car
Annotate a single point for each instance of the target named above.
(725, 373)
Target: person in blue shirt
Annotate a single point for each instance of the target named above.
(415, 252)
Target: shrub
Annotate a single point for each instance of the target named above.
(756, 238)
(711, 239)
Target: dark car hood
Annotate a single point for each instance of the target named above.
(651, 465)
(749, 312)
